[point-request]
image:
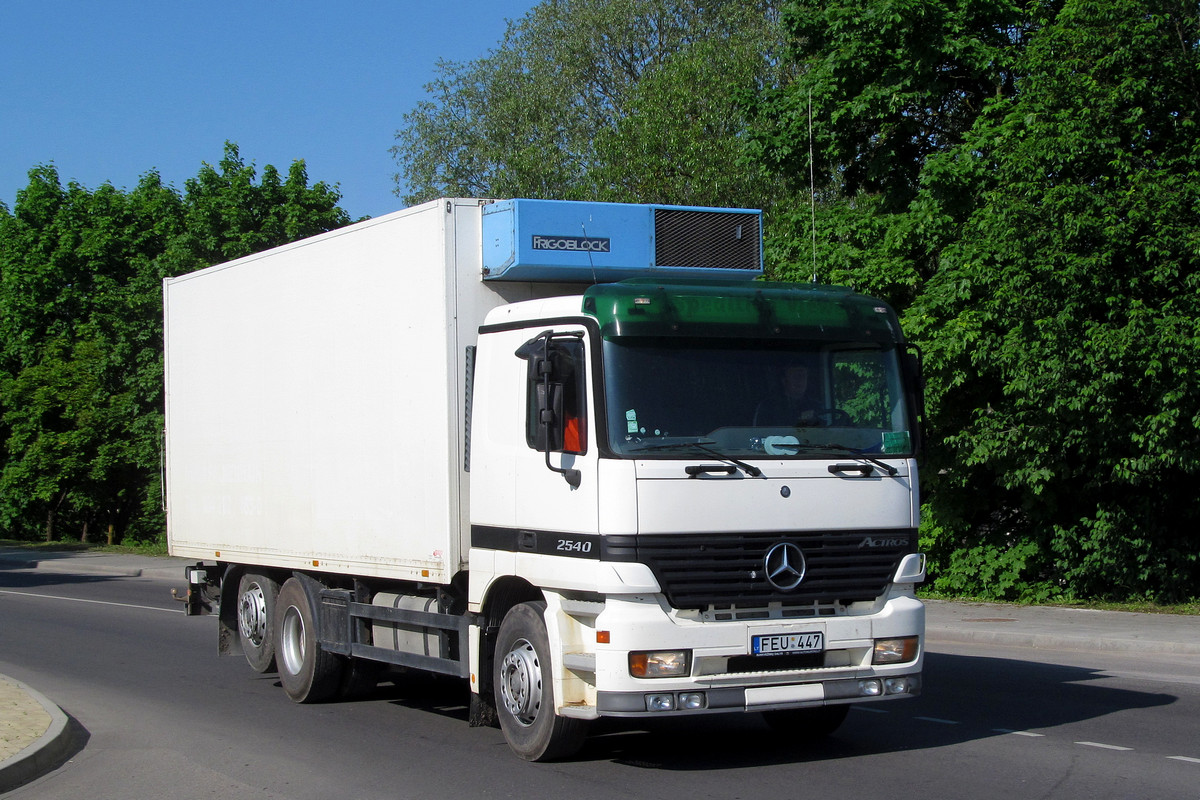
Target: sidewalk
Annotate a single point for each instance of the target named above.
(35, 734)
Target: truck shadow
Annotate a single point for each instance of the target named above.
(449, 697)
(967, 698)
(20, 577)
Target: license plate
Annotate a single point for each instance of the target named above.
(778, 644)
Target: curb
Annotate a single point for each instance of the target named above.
(50, 751)
(63, 569)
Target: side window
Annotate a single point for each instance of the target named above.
(556, 397)
(860, 387)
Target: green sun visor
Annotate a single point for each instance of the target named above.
(648, 307)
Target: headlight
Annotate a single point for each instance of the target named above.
(895, 651)
(660, 664)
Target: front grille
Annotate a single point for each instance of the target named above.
(715, 569)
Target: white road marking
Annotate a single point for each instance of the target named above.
(1019, 733)
(1188, 759)
(939, 721)
(93, 602)
(1104, 746)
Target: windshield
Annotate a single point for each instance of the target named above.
(750, 397)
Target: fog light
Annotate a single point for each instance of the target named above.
(895, 651)
(660, 702)
(870, 688)
(691, 700)
(909, 684)
(660, 664)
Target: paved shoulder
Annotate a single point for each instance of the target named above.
(89, 562)
(1052, 627)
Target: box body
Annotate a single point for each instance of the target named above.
(315, 398)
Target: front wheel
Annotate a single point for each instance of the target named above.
(308, 672)
(524, 688)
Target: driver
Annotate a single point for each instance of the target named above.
(794, 405)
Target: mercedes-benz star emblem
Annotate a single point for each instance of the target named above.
(785, 566)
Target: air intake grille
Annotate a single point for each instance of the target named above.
(707, 239)
(699, 570)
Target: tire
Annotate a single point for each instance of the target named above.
(308, 673)
(257, 595)
(807, 724)
(524, 689)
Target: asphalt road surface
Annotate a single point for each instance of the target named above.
(160, 715)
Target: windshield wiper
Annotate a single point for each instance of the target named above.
(852, 452)
(703, 447)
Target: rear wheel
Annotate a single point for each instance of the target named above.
(524, 688)
(257, 595)
(807, 724)
(308, 673)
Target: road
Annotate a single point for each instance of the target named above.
(162, 716)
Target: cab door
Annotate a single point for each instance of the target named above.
(534, 477)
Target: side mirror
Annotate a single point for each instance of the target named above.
(547, 397)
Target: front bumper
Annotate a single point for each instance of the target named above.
(764, 698)
(723, 674)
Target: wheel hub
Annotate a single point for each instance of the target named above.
(292, 645)
(521, 682)
(252, 615)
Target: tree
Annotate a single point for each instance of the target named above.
(81, 319)
(887, 83)
(1021, 180)
(598, 99)
(873, 90)
(228, 215)
(1064, 322)
(67, 367)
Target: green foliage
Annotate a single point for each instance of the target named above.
(872, 91)
(1041, 236)
(633, 100)
(1065, 316)
(81, 325)
(886, 84)
(228, 215)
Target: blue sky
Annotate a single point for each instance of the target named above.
(109, 90)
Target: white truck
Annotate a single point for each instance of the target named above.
(573, 453)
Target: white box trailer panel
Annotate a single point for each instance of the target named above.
(315, 397)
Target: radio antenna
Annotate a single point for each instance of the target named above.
(812, 188)
(591, 264)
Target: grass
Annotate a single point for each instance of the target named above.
(138, 548)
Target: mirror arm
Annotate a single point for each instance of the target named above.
(572, 476)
